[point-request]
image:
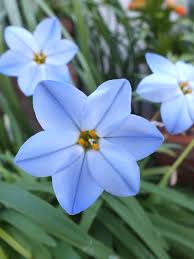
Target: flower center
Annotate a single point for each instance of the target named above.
(185, 88)
(39, 58)
(88, 139)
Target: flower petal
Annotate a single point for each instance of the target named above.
(63, 104)
(161, 65)
(21, 40)
(175, 115)
(110, 102)
(30, 76)
(190, 103)
(159, 88)
(47, 30)
(57, 73)
(115, 172)
(136, 135)
(60, 52)
(185, 71)
(75, 189)
(11, 62)
(48, 151)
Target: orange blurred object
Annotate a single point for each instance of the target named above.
(171, 4)
(179, 9)
(136, 4)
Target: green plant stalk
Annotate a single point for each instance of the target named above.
(14, 244)
(177, 163)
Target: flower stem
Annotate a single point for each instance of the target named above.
(176, 164)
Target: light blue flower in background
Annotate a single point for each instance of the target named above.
(42, 55)
(173, 86)
(89, 144)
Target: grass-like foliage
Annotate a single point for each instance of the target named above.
(156, 224)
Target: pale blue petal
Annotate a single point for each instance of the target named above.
(11, 62)
(58, 105)
(190, 103)
(161, 65)
(116, 172)
(57, 73)
(110, 102)
(21, 40)
(30, 76)
(175, 115)
(60, 52)
(75, 189)
(185, 71)
(47, 30)
(159, 88)
(45, 153)
(136, 135)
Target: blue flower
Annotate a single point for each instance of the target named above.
(173, 86)
(89, 144)
(42, 55)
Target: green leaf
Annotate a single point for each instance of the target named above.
(89, 215)
(29, 9)
(28, 227)
(132, 221)
(116, 226)
(3, 253)
(168, 194)
(13, 13)
(51, 220)
(144, 221)
(64, 251)
(176, 232)
(81, 28)
(14, 244)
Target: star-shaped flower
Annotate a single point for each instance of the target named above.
(89, 144)
(173, 86)
(42, 55)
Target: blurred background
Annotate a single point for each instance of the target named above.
(113, 37)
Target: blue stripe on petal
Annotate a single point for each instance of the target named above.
(75, 189)
(63, 104)
(116, 172)
(111, 101)
(47, 30)
(47, 152)
(135, 135)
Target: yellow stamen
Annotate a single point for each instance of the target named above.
(185, 88)
(184, 84)
(39, 58)
(83, 134)
(88, 139)
(189, 91)
(95, 146)
(93, 134)
(82, 142)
